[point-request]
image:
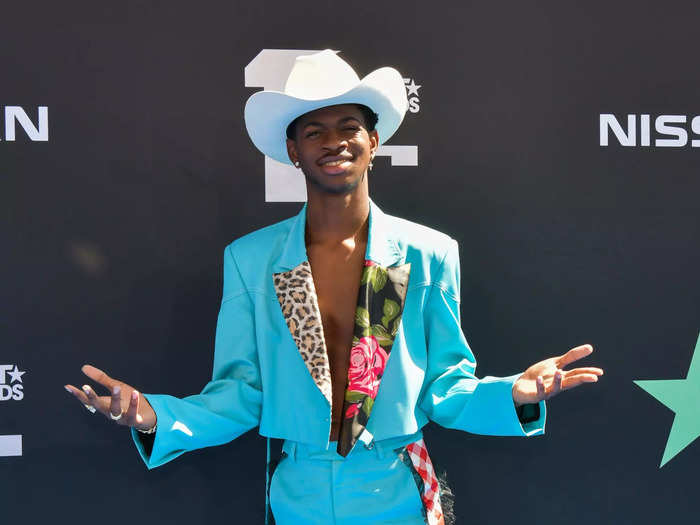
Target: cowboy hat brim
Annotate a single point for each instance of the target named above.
(268, 113)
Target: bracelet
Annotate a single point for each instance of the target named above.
(151, 430)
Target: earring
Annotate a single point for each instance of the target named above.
(370, 166)
(296, 163)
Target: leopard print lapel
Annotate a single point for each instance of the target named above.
(297, 297)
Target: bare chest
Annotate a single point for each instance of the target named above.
(337, 282)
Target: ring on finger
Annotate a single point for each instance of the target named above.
(90, 408)
(116, 418)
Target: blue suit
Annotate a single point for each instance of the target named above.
(260, 377)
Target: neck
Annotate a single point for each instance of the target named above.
(333, 219)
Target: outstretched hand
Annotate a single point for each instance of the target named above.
(546, 378)
(125, 405)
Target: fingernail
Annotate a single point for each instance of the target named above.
(134, 395)
(68, 390)
(116, 390)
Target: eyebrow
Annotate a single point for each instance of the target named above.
(341, 121)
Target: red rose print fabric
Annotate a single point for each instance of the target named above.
(380, 305)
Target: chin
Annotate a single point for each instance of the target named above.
(334, 189)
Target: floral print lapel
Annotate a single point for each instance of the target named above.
(297, 297)
(380, 305)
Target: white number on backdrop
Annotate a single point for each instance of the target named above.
(284, 183)
(11, 445)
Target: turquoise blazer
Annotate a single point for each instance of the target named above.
(261, 378)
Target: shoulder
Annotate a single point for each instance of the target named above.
(414, 237)
(434, 255)
(263, 240)
(249, 260)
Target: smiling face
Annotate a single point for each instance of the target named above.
(334, 148)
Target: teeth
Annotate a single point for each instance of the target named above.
(334, 163)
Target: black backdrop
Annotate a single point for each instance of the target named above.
(113, 231)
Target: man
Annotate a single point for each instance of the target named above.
(339, 328)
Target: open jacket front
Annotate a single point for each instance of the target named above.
(270, 366)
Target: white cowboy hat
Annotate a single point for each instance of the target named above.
(316, 81)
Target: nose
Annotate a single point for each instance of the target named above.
(334, 141)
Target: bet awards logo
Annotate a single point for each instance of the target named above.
(11, 387)
(17, 115)
(670, 130)
(283, 183)
(412, 94)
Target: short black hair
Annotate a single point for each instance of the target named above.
(371, 119)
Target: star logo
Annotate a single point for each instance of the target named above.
(412, 87)
(16, 375)
(682, 396)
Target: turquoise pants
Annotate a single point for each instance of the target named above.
(373, 485)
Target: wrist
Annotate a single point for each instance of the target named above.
(515, 396)
(151, 429)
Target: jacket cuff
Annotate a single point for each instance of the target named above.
(492, 411)
(157, 449)
(531, 416)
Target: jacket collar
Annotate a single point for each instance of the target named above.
(381, 244)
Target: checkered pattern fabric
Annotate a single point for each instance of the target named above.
(431, 490)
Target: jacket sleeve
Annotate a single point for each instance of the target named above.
(453, 396)
(230, 404)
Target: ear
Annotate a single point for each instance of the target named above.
(373, 142)
(292, 150)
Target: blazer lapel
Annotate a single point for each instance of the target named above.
(378, 316)
(296, 294)
(297, 297)
(380, 304)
